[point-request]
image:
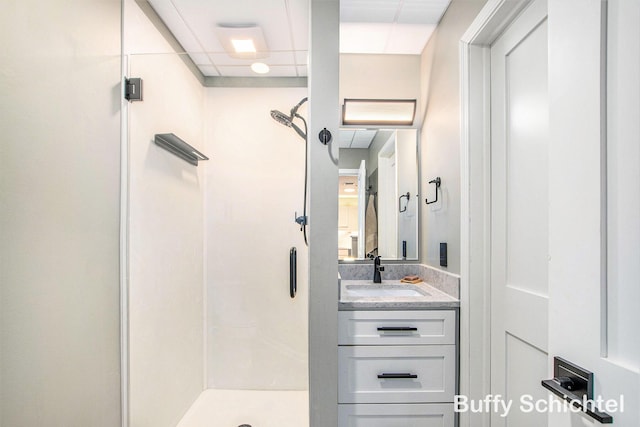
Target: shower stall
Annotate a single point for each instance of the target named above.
(213, 337)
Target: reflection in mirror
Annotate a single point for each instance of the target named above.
(378, 200)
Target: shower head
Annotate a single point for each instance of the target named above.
(281, 118)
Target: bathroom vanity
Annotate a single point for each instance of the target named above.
(397, 355)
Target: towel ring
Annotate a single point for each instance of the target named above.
(437, 182)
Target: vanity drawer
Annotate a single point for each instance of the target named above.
(416, 327)
(393, 415)
(396, 374)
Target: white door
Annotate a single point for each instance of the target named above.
(594, 215)
(362, 207)
(582, 304)
(519, 212)
(387, 201)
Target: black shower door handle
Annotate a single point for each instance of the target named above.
(293, 273)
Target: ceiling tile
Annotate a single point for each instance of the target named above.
(368, 26)
(203, 16)
(409, 39)
(345, 137)
(302, 57)
(303, 71)
(208, 70)
(422, 12)
(175, 22)
(245, 71)
(364, 38)
(275, 58)
(363, 138)
(382, 11)
(299, 14)
(200, 58)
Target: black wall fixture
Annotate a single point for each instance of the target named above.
(175, 145)
(133, 89)
(443, 254)
(437, 182)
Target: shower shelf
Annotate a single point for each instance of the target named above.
(177, 146)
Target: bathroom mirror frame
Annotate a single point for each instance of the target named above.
(418, 198)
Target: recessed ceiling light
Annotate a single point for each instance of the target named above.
(243, 41)
(260, 68)
(349, 190)
(243, 45)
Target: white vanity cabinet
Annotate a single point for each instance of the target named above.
(397, 368)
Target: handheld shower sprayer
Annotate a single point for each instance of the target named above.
(283, 119)
(287, 120)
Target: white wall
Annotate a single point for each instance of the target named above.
(440, 136)
(380, 76)
(166, 233)
(59, 189)
(350, 158)
(257, 334)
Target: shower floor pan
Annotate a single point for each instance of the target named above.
(257, 408)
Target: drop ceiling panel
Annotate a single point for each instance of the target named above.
(345, 138)
(241, 71)
(209, 70)
(383, 11)
(368, 26)
(302, 71)
(364, 38)
(175, 22)
(199, 58)
(363, 138)
(405, 25)
(274, 58)
(409, 39)
(302, 57)
(299, 21)
(421, 12)
(270, 15)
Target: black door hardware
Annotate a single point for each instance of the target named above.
(575, 385)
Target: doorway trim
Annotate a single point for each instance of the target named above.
(475, 206)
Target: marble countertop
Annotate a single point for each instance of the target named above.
(433, 299)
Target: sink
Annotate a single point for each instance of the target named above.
(379, 291)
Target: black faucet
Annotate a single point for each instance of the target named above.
(377, 268)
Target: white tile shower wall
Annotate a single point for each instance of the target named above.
(446, 282)
(166, 239)
(257, 334)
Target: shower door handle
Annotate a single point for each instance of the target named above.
(293, 272)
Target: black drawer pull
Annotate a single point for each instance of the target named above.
(397, 329)
(396, 376)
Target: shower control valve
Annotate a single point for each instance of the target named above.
(302, 220)
(325, 136)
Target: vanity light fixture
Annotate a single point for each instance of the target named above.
(242, 41)
(378, 112)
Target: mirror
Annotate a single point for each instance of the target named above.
(377, 197)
